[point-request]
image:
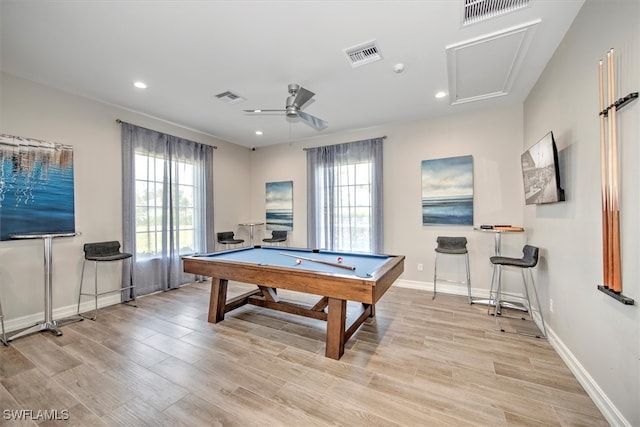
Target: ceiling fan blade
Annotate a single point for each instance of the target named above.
(313, 120)
(264, 111)
(302, 97)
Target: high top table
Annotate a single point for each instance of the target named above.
(498, 231)
(251, 225)
(48, 324)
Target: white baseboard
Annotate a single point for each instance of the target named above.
(444, 286)
(604, 404)
(600, 399)
(59, 313)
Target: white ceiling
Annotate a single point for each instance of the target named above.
(189, 51)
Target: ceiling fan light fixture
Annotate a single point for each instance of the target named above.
(298, 98)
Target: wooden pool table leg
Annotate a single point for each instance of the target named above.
(218, 300)
(336, 320)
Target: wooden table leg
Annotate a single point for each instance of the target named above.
(336, 320)
(218, 300)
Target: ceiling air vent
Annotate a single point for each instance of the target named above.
(363, 54)
(229, 97)
(479, 10)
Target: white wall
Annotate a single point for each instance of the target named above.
(597, 335)
(34, 111)
(492, 137)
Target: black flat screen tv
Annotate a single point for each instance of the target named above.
(540, 172)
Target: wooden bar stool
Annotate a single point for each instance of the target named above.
(496, 295)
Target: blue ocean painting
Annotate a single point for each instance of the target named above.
(447, 191)
(36, 187)
(279, 205)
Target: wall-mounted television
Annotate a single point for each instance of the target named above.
(541, 173)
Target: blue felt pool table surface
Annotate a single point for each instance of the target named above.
(365, 264)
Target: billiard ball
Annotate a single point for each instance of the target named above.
(339, 259)
(298, 261)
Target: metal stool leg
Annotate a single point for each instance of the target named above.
(95, 291)
(4, 336)
(435, 270)
(492, 295)
(84, 262)
(497, 299)
(468, 278)
(468, 272)
(132, 287)
(539, 308)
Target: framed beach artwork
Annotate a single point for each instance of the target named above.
(279, 205)
(36, 187)
(447, 191)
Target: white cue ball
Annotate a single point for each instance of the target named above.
(298, 261)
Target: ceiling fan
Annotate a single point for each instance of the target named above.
(298, 97)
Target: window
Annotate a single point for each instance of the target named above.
(167, 205)
(352, 211)
(151, 196)
(345, 196)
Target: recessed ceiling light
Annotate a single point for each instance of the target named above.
(258, 132)
(441, 94)
(140, 85)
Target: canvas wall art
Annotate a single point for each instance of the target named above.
(447, 191)
(36, 187)
(279, 204)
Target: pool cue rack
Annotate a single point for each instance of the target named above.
(611, 246)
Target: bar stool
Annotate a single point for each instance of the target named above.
(277, 237)
(452, 246)
(105, 252)
(227, 238)
(527, 262)
(4, 336)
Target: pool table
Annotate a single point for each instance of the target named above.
(337, 277)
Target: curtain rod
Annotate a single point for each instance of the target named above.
(383, 137)
(215, 147)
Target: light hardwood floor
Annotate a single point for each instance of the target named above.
(419, 362)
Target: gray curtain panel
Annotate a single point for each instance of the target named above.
(344, 196)
(162, 269)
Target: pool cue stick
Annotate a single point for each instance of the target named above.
(604, 186)
(320, 261)
(616, 284)
(609, 283)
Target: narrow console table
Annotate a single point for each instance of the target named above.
(48, 324)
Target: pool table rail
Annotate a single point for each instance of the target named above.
(335, 285)
(335, 289)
